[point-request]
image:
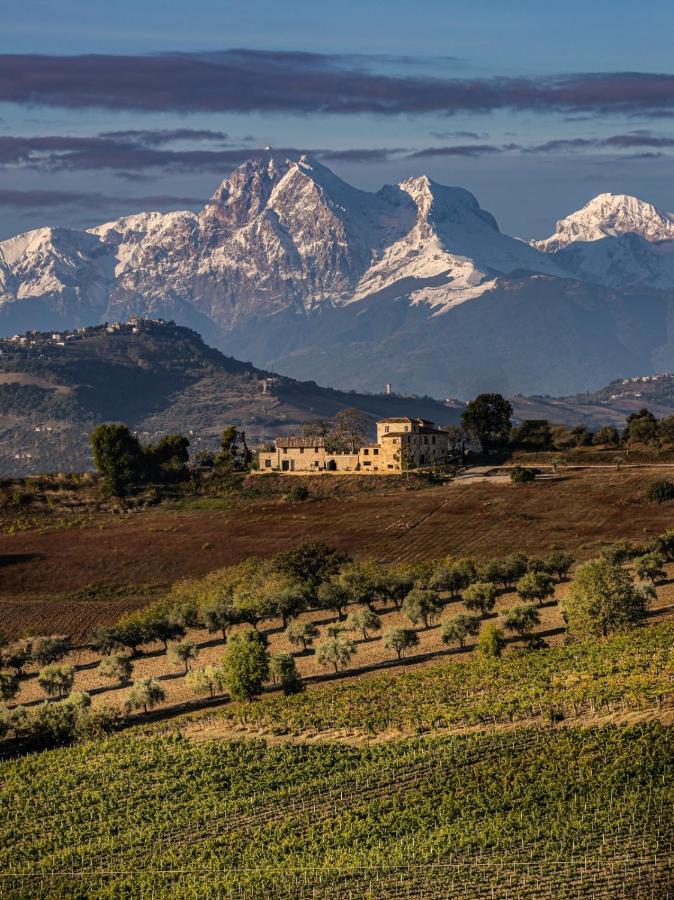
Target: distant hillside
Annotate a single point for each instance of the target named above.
(157, 377)
(608, 406)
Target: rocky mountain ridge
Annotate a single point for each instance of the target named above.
(292, 267)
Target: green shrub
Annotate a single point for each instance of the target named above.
(661, 491)
(298, 493)
(522, 475)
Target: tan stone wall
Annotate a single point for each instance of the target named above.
(306, 459)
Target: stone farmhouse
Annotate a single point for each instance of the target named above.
(402, 443)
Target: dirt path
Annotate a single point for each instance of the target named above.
(214, 730)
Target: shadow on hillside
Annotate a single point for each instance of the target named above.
(15, 559)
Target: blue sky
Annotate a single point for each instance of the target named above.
(524, 103)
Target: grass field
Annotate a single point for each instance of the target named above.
(579, 511)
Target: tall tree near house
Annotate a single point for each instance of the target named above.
(488, 418)
(351, 427)
(166, 461)
(315, 428)
(119, 458)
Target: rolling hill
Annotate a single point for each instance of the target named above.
(157, 377)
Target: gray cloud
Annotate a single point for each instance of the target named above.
(160, 137)
(36, 199)
(614, 142)
(241, 80)
(460, 135)
(459, 150)
(132, 153)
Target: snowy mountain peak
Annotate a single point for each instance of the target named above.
(445, 204)
(610, 215)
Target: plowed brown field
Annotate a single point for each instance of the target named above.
(39, 569)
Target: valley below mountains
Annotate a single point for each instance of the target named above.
(415, 285)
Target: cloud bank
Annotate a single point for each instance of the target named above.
(242, 80)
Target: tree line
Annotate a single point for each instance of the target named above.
(125, 465)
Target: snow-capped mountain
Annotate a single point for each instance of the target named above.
(293, 268)
(618, 241)
(277, 233)
(610, 215)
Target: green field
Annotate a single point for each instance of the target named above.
(634, 670)
(533, 812)
(547, 811)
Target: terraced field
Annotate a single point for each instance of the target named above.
(530, 813)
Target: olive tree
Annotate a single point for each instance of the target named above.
(400, 640)
(459, 628)
(333, 596)
(363, 619)
(9, 685)
(301, 633)
(536, 586)
(207, 681)
(56, 680)
(650, 567)
(521, 619)
(336, 651)
(481, 596)
(217, 614)
(49, 649)
(117, 667)
(283, 671)
(491, 642)
(603, 598)
(182, 653)
(164, 629)
(145, 694)
(454, 576)
(422, 606)
(16, 656)
(557, 564)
